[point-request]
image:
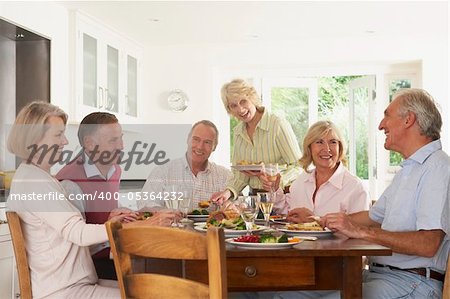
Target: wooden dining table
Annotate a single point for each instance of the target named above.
(333, 263)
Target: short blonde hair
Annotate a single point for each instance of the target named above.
(29, 127)
(238, 88)
(315, 132)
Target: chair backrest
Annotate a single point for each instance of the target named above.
(446, 290)
(20, 253)
(167, 243)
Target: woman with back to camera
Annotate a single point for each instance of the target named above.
(259, 136)
(329, 186)
(56, 235)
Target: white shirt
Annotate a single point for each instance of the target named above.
(343, 192)
(212, 179)
(56, 236)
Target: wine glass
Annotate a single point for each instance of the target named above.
(272, 172)
(265, 204)
(185, 205)
(248, 208)
(173, 198)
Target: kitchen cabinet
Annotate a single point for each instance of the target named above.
(107, 71)
(9, 287)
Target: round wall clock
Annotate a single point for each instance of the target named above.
(178, 100)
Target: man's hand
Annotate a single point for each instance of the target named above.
(340, 222)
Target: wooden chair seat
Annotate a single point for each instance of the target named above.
(167, 243)
(20, 254)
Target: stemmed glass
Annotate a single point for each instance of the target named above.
(173, 200)
(265, 204)
(248, 208)
(185, 205)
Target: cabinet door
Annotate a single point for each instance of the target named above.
(111, 102)
(132, 86)
(91, 92)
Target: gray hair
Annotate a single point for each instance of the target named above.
(422, 104)
(208, 124)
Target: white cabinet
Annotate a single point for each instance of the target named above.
(107, 71)
(8, 278)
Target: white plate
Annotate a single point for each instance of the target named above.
(247, 167)
(198, 217)
(323, 233)
(261, 245)
(227, 231)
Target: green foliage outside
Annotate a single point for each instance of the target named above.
(395, 159)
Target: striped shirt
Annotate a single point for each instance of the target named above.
(274, 141)
(178, 172)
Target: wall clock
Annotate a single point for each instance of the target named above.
(178, 100)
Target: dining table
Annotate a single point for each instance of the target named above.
(331, 263)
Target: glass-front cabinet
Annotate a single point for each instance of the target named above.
(107, 71)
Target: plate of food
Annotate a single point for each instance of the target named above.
(232, 223)
(201, 213)
(264, 241)
(309, 228)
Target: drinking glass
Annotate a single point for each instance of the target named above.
(185, 205)
(248, 208)
(272, 172)
(174, 197)
(265, 204)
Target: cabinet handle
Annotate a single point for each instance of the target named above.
(250, 271)
(100, 97)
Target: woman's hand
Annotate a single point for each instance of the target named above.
(268, 184)
(300, 215)
(162, 218)
(123, 215)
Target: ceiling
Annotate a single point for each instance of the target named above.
(194, 22)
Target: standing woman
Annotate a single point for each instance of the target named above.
(258, 136)
(329, 186)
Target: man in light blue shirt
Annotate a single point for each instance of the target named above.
(410, 216)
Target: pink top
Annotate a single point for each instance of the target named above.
(342, 192)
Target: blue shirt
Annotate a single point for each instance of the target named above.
(415, 200)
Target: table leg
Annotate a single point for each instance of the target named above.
(352, 278)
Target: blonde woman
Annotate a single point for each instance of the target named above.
(56, 235)
(258, 136)
(328, 186)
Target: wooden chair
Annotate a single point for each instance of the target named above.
(167, 243)
(20, 253)
(446, 290)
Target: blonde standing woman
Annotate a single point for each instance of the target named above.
(258, 136)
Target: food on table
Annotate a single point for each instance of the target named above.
(144, 215)
(263, 238)
(307, 226)
(204, 204)
(198, 212)
(226, 219)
